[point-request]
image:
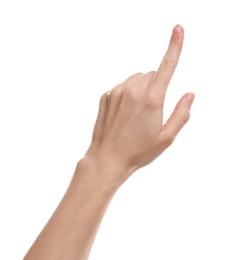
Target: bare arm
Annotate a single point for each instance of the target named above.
(129, 134)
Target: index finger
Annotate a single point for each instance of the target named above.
(168, 65)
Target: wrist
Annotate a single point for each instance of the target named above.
(107, 174)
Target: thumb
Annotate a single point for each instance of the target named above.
(180, 116)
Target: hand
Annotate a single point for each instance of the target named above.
(129, 131)
(129, 134)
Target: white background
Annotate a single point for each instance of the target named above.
(56, 59)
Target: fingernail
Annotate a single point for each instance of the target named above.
(190, 98)
(178, 29)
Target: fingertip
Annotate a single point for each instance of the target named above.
(190, 98)
(178, 30)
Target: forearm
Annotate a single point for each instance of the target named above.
(71, 231)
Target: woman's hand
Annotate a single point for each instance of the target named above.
(129, 132)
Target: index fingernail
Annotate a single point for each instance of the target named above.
(177, 30)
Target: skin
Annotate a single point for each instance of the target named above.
(129, 134)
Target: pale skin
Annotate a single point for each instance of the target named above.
(129, 134)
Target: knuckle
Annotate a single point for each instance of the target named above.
(184, 117)
(103, 98)
(138, 74)
(115, 94)
(152, 73)
(131, 99)
(150, 104)
(168, 64)
(129, 94)
(152, 101)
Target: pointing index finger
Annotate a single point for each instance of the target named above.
(170, 60)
